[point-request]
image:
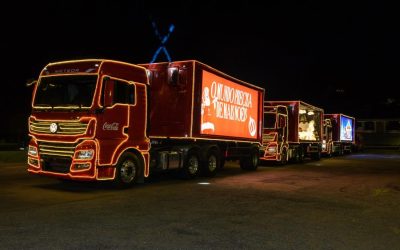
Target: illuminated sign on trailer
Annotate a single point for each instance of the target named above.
(228, 108)
(346, 128)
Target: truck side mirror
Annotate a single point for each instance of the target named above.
(108, 92)
(149, 74)
(31, 82)
(173, 76)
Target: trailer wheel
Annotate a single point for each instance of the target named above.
(211, 163)
(341, 150)
(299, 155)
(251, 162)
(127, 170)
(316, 156)
(191, 167)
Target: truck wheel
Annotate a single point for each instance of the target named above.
(300, 155)
(127, 170)
(211, 163)
(316, 156)
(191, 167)
(341, 150)
(251, 162)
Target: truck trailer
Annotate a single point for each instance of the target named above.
(292, 131)
(339, 134)
(109, 120)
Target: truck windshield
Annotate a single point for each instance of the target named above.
(269, 120)
(65, 91)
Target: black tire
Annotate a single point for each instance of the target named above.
(300, 155)
(316, 156)
(127, 170)
(250, 162)
(341, 151)
(211, 163)
(191, 167)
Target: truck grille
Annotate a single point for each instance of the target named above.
(268, 137)
(64, 128)
(57, 149)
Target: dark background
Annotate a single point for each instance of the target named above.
(341, 56)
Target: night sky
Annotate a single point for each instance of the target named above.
(341, 56)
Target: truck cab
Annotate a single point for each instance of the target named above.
(292, 131)
(342, 133)
(327, 143)
(87, 117)
(275, 133)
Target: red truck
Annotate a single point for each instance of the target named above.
(110, 120)
(339, 134)
(292, 130)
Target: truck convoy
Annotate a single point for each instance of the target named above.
(339, 134)
(109, 120)
(292, 130)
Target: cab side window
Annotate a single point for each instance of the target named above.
(124, 93)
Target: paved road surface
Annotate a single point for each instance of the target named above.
(350, 202)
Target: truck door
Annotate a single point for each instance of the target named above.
(282, 128)
(118, 96)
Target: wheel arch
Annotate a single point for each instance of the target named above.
(143, 161)
(203, 151)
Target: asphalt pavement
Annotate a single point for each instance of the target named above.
(349, 202)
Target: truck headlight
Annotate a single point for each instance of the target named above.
(271, 150)
(85, 154)
(323, 144)
(32, 150)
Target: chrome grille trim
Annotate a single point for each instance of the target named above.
(57, 148)
(65, 127)
(268, 138)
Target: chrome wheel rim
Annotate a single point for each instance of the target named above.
(193, 165)
(128, 171)
(212, 163)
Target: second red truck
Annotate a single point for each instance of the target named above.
(292, 131)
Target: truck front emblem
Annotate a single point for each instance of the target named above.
(53, 127)
(252, 126)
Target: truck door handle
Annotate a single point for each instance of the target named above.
(125, 130)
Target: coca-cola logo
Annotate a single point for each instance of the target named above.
(111, 126)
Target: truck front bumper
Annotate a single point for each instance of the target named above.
(61, 161)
